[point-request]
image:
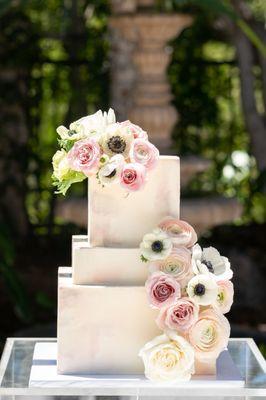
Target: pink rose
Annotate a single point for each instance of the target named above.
(209, 335)
(180, 316)
(133, 176)
(135, 130)
(225, 296)
(162, 290)
(144, 152)
(84, 156)
(177, 264)
(182, 233)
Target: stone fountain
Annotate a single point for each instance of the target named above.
(140, 92)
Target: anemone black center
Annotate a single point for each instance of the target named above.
(199, 289)
(116, 144)
(111, 174)
(157, 246)
(208, 265)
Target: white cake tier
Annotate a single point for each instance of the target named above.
(118, 219)
(106, 265)
(102, 328)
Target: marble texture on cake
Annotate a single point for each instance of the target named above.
(105, 265)
(102, 328)
(119, 219)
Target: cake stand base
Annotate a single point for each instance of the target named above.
(44, 374)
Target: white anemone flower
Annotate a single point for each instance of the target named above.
(116, 140)
(156, 245)
(209, 261)
(111, 170)
(202, 289)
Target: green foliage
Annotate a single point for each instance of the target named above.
(12, 280)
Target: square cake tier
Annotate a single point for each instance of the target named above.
(106, 265)
(102, 328)
(120, 219)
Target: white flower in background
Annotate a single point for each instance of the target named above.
(202, 289)
(111, 170)
(61, 165)
(156, 245)
(116, 140)
(91, 126)
(168, 358)
(209, 261)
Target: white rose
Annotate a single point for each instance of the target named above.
(168, 358)
(60, 165)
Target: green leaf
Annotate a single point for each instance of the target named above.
(143, 259)
(63, 186)
(66, 144)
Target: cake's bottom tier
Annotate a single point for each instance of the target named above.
(101, 329)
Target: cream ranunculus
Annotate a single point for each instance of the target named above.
(111, 170)
(181, 232)
(116, 140)
(155, 246)
(209, 261)
(168, 358)
(177, 264)
(209, 335)
(61, 165)
(202, 289)
(224, 299)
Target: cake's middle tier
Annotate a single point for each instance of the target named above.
(106, 265)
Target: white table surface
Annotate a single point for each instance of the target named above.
(16, 365)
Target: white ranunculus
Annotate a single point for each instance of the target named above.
(91, 126)
(60, 165)
(203, 289)
(168, 358)
(111, 170)
(209, 261)
(156, 245)
(116, 140)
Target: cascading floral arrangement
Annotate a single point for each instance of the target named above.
(97, 145)
(191, 288)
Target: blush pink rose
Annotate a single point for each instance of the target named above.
(133, 176)
(144, 152)
(180, 316)
(135, 130)
(84, 156)
(177, 264)
(162, 290)
(181, 232)
(225, 296)
(209, 335)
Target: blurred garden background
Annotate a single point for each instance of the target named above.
(193, 73)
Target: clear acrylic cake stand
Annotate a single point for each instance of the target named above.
(16, 365)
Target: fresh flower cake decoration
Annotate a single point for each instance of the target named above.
(97, 145)
(192, 290)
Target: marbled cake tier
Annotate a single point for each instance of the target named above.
(106, 265)
(102, 328)
(118, 219)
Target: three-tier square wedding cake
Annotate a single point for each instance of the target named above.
(135, 302)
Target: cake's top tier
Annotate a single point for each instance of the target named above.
(118, 219)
